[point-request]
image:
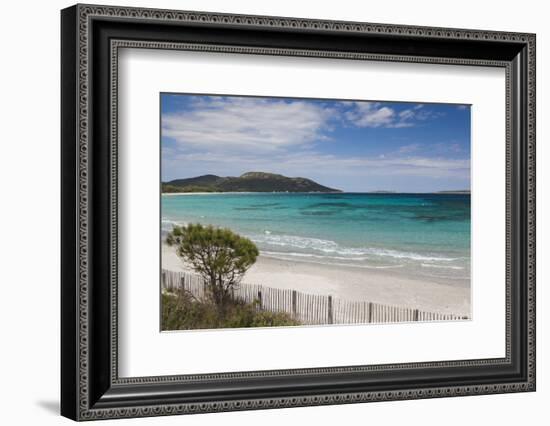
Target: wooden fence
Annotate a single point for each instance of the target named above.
(307, 308)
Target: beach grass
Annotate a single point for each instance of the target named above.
(180, 311)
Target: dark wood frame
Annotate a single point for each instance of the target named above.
(90, 386)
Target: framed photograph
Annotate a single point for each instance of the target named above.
(263, 212)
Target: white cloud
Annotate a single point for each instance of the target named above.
(372, 114)
(230, 136)
(406, 114)
(240, 124)
(451, 148)
(394, 165)
(248, 123)
(309, 164)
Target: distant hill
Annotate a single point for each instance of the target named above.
(199, 180)
(247, 182)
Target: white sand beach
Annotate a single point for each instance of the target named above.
(351, 283)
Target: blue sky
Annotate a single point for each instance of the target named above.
(351, 145)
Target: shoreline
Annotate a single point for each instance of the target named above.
(347, 282)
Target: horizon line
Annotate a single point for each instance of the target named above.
(381, 192)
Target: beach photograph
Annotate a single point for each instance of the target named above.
(280, 212)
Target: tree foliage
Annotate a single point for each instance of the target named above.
(218, 255)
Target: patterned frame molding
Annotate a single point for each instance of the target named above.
(116, 45)
(83, 401)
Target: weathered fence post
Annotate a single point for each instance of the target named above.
(164, 280)
(260, 298)
(294, 302)
(416, 315)
(370, 311)
(183, 282)
(330, 316)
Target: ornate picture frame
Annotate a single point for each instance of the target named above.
(91, 37)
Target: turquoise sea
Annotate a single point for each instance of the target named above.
(424, 235)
